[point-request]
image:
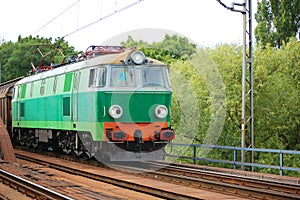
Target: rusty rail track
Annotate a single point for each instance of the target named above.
(221, 182)
(154, 191)
(236, 185)
(31, 189)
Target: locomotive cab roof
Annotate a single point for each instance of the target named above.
(95, 56)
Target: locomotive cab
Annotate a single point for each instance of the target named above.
(137, 97)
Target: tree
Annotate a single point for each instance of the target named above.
(277, 96)
(228, 60)
(277, 21)
(171, 49)
(15, 57)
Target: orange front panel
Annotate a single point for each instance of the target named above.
(147, 129)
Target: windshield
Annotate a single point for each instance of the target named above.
(122, 77)
(133, 76)
(153, 76)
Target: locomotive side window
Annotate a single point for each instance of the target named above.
(42, 88)
(101, 77)
(31, 89)
(92, 78)
(76, 81)
(23, 91)
(19, 92)
(55, 84)
(68, 81)
(66, 106)
(122, 77)
(14, 93)
(22, 109)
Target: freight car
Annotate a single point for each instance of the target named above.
(6, 92)
(111, 103)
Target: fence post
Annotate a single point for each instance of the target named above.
(234, 158)
(194, 154)
(281, 163)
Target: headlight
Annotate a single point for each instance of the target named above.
(161, 111)
(115, 111)
(138, 57)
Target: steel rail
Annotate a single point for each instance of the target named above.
(226, 183)
(269, 189)
(232, 184)
(31, 189)
(271, 178)
(154, 191)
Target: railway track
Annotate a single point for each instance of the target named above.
(30, 189)
(156, 189)
(188, 176)
(233, 184)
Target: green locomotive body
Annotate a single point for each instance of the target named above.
(115, 106)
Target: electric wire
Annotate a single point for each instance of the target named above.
(105, 17)
(56, 17)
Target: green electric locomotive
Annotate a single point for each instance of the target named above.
(112, 103)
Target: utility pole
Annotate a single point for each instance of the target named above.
(247, 83)
(247, 123)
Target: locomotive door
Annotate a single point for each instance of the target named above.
(74, 110)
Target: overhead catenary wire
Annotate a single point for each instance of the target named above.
(105, 17)
(73, 4)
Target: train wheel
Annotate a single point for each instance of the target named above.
(22, 143)
(31, 140)
(89, 146)
(35, 143)
(64, 142)
(77, 153)
(23, 137)
(77, 149)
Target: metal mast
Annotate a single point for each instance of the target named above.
(247, 82)
(247, 124)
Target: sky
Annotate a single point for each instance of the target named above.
(204, 22)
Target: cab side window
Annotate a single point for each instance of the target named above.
(92, 77)
(101, 77)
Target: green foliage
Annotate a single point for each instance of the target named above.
(191, 106)
(228, 59)
(171, 49)
(16, 57)
(277, 97)
(277, 21)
